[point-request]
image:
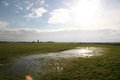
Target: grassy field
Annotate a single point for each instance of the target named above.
(105, 67)
(11, 51)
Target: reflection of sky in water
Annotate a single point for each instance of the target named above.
(51, 62)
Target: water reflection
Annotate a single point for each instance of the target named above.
(78, 52)
(41, 64)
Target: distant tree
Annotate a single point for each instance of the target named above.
(33, 41)
(50, 42)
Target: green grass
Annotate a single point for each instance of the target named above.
(105, 67)
(11, 51)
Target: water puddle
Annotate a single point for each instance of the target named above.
(78, 52)
(41, 64)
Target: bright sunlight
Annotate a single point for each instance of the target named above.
(86, 13)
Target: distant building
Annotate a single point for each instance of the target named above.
(38, 41)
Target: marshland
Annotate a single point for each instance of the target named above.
(60, 61)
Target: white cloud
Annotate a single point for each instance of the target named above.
(3, 24)
(36, 13)
(28, 34)
(59, 16)
(110, 19)
(85, 14)
(5, 3)
(79, 12)
(29, 6)
(65, 34)
(39, 12)
(42, 2)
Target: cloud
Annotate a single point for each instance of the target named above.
(79, 11)
(30, 9)
(115, 37)
(29, 6)
(39, 12)
(42, 2)
(5, 3)
(3, 24)
(110, 19)
(59, 16)
(84, 14)
(67, 35)
(36, 13)
(76, 22)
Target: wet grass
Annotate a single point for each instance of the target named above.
(105, 67)
(11, 51)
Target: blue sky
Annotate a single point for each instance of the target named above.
(60, 20)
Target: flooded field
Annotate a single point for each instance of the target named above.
(41, 64)
(59, 61)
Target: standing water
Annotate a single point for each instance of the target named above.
(41, 64)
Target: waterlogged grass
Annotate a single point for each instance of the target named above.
(10, 51)
(104, 67)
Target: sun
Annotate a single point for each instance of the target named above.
(86, 13)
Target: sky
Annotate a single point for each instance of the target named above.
(60, 20)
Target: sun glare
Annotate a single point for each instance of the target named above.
(86, 13)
